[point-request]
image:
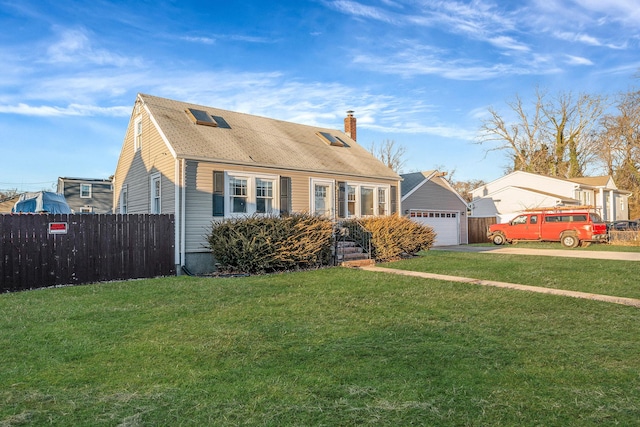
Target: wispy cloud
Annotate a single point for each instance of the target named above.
(360, 10)
(75, 46)
(586, 39)
(577, 60)
(70, 110)
(203, 40)
(209, 40)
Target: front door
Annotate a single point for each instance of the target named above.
(322, 198)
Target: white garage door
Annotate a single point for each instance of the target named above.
(446, 224)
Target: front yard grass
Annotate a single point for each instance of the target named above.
(606, 277)
(327, 347)
(556, 245)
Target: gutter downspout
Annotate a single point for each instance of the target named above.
(178, 219)
(183, 230)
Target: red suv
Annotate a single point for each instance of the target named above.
(570, 227)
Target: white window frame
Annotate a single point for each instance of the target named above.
(265, 197)
(155, 206)
(354, 201)
(252, 193)
(137, 134)
(86, 209)
(384, 203)
(82, 195)
(376, 195)
(331, 196)
(124, 199)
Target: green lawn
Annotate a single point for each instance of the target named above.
(333, 347)
(607, 277)
(556, 245)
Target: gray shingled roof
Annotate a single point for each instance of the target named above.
(260, 141)
(412, 180)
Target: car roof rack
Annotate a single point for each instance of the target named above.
(563, 208)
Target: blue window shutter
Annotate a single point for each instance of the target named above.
(341, 195)
(218, 193)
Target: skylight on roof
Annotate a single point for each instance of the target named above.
(200, 117)
(331, 139)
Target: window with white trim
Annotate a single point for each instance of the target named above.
(249, 194)
(382, 201)
(366, 199)
(238, 191)
(137, 130)
(156, 194)
(351, 200)
(85, 191)
(124, 199)
(264, 195)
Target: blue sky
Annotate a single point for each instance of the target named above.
(419, 72)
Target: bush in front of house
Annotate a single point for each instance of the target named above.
(261, 244)
(396, 236)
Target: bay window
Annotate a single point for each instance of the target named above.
(363, 199)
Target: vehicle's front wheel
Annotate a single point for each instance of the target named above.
(498, 239)
(569, 240)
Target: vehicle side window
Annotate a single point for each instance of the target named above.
(533, 219)
(550, 219)
(522, 219)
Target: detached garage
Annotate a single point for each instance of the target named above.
(428, 198)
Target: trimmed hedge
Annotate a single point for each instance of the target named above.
(395, 236)
(262, 244)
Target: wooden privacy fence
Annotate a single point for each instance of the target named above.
(478, 228)
(58, 249)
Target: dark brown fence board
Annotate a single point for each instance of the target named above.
(95, 248)
(478, 228)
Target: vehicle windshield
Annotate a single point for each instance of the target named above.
(595, 217)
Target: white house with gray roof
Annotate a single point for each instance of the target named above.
(203, 164)
(507, 196)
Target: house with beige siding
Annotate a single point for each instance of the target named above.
(429, 199)
(205, 164)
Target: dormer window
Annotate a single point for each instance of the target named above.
(331, 139)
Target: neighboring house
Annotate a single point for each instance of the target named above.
(204, 164)
(428, 198)
(505, 197)
(87, 195)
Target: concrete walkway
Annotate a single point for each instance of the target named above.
(585, 295)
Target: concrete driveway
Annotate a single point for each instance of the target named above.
(568, 253)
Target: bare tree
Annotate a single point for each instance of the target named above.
(620, 147)
(551, 136)
(7, 194)
(463, 188)
(390, 154)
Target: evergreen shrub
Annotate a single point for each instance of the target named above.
(261, 244)
(395, 236)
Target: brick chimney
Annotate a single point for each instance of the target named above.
(350, 125)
